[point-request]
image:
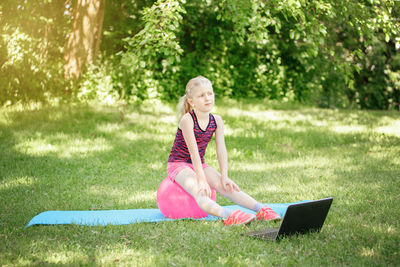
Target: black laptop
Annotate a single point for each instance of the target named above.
(300, 218)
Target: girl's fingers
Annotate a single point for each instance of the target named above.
(229, 186)
(205, 191)
(236, 187)
(201, 191)
(224, 186)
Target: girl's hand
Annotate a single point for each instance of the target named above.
(229, 185)
(204, 188)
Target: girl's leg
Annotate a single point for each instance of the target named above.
(240, 198)
(187, 178)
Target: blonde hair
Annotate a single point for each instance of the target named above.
(183, 105)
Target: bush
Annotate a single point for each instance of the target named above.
(308, 52)
(31, 43)
(331, 53)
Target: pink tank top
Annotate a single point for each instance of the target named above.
(180, 152)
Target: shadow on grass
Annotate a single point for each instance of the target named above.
(104, 174)
(34, 181)
(125, 171)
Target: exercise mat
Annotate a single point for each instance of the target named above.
(121, 217)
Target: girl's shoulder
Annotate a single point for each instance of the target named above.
(186, 119)
(217, 118)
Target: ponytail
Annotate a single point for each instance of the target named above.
(184, 106)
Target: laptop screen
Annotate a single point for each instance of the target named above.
(305, 217)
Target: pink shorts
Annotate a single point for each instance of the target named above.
(173, 168)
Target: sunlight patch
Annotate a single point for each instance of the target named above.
(121, 254)
(141, 196)
(122, 195)
(16, 182)
(157, 165)
(349, 129)
(131, 136)
(109, 127)
(163, 136)
(367, 252)
(37, 147)
(274, 115)
(64, 149)
(385, 229)
(149, 119)
(392, 129)
(168, 119)
(294, 163)
(269, 115)
(266, 189)
(105, 254)
(56, 115)
(64, 257)
(4, 120)
(156, 137)
(247, 166)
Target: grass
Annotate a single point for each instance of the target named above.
(83, 157)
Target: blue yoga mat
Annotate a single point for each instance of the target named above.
(121, 217)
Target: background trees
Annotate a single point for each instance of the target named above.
(84, 39)
(331, 53)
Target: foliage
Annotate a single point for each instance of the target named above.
(121, 19)
(331, 53)
(303, 50)
(363, 51)
(153, 53)
(97, 84)
(32, 34)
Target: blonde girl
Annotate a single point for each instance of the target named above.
(186, 165)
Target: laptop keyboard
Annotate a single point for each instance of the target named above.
(270, 235)
(266, 234)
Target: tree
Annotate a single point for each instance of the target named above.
(32, 37)
(84, 40)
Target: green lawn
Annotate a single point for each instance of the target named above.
(81, 157)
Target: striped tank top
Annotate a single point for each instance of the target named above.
(180, 152)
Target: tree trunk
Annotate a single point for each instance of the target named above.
(44, 47)
(84, 40)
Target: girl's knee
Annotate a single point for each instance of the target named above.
(188, 183)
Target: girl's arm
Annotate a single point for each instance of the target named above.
(222, 155)
(221, 148)
(186, 125)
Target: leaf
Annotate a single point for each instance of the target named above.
(387, 37)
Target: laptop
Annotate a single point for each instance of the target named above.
(300, 218)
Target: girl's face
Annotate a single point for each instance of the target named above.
(202, 98)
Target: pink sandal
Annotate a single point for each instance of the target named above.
(238, 217)
(267, 214)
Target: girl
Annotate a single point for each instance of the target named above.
(186, 164)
